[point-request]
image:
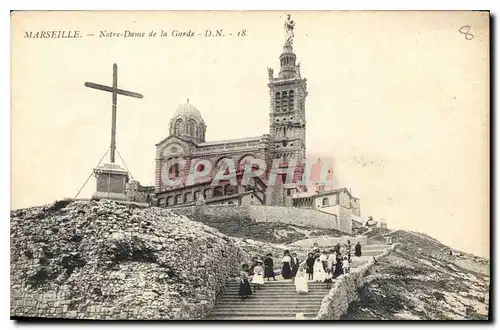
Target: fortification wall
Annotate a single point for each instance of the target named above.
(265, 213)
(215, 211)
(292, 215)
(327, 241)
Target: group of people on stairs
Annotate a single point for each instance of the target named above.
(320, 266)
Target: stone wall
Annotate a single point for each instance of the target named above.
(292, 215)
(327, 241)
(219, 211)
(345, 290)
(264, 213)
(105, 260)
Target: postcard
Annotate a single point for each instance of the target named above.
(250, 165)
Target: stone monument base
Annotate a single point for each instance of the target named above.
(111, 182)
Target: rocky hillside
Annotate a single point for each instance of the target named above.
(103, 260)
(420, 280)
(109, 260)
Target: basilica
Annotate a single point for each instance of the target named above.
(285, 143)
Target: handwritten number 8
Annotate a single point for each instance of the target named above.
(465, 31)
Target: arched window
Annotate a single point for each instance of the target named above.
(177, 126)
(192, 128)
(325, 201)
(290, 101)
(218, 191)
(277, 101)
(200, 132)
(284, 101)
(174, 170)
(207, 193)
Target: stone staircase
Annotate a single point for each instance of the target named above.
(277, 300)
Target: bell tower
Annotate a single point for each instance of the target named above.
(287, 92)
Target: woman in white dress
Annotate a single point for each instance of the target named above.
(301, 285)
(345, 265)
(258, 275)
(319, 272)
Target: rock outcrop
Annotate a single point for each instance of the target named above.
(421, 280)
(103, 260)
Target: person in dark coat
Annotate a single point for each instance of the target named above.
(295, 263)
(244, 289)
(357, 250)
(338, 267)
(316, 253)
(269, 267)
(310, 265)
(337, 248)
(286, 271)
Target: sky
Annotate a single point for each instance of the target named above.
(398, 100)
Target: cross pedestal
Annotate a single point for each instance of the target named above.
(111, 182)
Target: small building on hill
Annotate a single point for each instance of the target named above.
(338, 202)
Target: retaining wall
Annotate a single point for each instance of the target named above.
(345, 290)
(266, 213)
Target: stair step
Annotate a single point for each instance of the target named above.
(269, 303)
(274, 293)
(275, 298)
(313, 285)
(264, 305)
(316, 286)
(313, 309)
(301, 298)
(264, 313)
(256, 318)
(266, 302)
(270, 308)
(277, 283)
(278, 290)
(319, 286)
(278, 295)
(253, 312)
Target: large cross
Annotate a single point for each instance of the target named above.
(114, 90)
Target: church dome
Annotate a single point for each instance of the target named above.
(188, 123)
(188, 110)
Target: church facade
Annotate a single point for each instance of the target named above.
(177, 155)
